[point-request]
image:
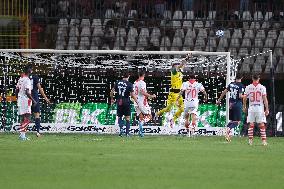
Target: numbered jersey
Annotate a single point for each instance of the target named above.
(191, 89)
(123, 90)
(140, 86)
(24, 84)
(236, 89)
(254, 93)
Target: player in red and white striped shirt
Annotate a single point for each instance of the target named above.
(24, 101)
(191, 88)
(258, 108)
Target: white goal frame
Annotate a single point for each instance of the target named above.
(229, 76)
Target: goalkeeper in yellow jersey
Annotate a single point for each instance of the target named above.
(176, 83)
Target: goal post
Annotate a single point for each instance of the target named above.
(68, 65)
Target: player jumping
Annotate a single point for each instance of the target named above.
(24, 101)
(191, 89)
(256, 93)
(176, 83)
(36, 86)
(142, 107)
(123, 89)
(236, 90)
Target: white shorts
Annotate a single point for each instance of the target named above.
(191, 110)
(24, 106)
(144, 109)
(256, 117)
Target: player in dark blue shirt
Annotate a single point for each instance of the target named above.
(123, 89)
(236, 90)
(36, 87)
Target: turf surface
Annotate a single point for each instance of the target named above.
(92, 161)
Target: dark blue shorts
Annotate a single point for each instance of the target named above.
(123, 109)
(36, 108)
(235, 112)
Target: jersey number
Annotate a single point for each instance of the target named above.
(255, 96)
(193, 93)
(233, 93)
(121, 90)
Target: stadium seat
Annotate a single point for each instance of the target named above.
(109, 13)
(74, 22)
(74, 31)
(267, 67)
(85, 23)
(258, 15)
(132, 32)
(212, 42)
(249, 34)
(190, 33)
(179, 33)
(265, 25)
(165, 42)
(246, 42)
(243, 52)
(110, 33)
(233, 51)
(144, 32)
(72, 43)
(132, 13)
(177, 42)
(86, 32)
(256, 68)
(269, 43)
(198, 24)
(155, 41)
(131, 42)
(258, 42)
(278, 51)
(235, 42)
(281, 34)
(237, 34)
(260, 34)
(189, 15)
(202, 33)
(59, 46)
(212, 15)
(280, 42)
(167, 14)
(223, 43)
(173, 48)
(246, 15)
(156, 32)
(221, 49)
(96, 41)
(178, 15)
(209, 24)
(272, 34)
(96, 22)
(209, 48)
(63, 22)
(227, 34)
(198, 48)
(62, 31)
(245, 68)
(187, 24)
(268, 15)
(279, 68)
(255, 51)
(246, 25)
(84, 43)
(255, 25)
(176, 23)
(98, 32)
(142, 41)
(118, 43)
(121, 32)
(188, 42)
(105, 47)
(200, 42)
(94, 48)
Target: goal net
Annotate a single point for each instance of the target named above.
(78, 83)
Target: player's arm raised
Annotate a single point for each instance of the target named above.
(42, 93)
(222, 96)
(183, 62)
(265, 101)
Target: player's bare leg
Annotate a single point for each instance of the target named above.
(186, 124)
(140, 124)
(23, 127)
(250, 133)
(180, 110)
(263, 134)
(194, 123)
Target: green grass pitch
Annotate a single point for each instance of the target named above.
(105, 161)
